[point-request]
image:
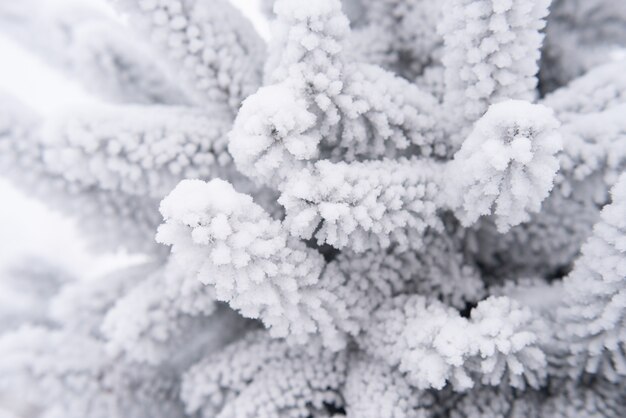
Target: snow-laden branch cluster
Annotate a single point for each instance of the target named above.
(282, 132)
(233, 245)
(433, 344)
(393, 209)
(592, 159)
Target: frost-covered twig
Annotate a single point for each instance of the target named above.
(225, 240)
(162, 314)
(432, 344)
(591, 318)
(213, 48)
(364, 205)
(135, 150)
(491, 53)
(399, 35)
(262, 377)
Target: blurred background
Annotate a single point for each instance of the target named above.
(28, 229)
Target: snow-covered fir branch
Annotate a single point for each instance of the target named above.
(390, 209)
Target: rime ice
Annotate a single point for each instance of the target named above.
(394, 209)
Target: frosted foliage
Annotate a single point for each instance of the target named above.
(50, 368)
(81, 305)
(320, 106)
(103, 51)
(257, 143)
(602, 88)
(549, 241)
(262, 377)
(158, 312)
(278, 130)
(108, 217)
(506, 166)
(593, 317)
(365, 281)
(494, 403)
(498, 343)
(374, 390)
(580, 35)
(136, 150)
(227, 241)
(491, 52)
(595, 147)
(112, 164)
(592, 159)
(362, 204)
(601, 399)
(213, 48)
(390, 209)
(397, 35)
